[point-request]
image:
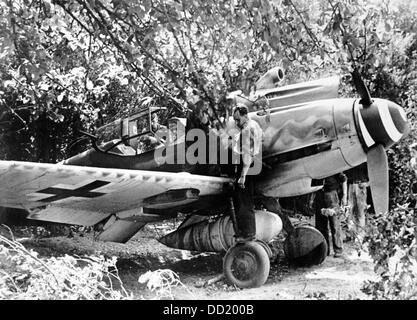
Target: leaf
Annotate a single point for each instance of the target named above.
(89, 85)
(44, 86)
(61, 97)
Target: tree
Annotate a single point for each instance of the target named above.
(77, 64)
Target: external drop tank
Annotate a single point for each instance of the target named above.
(218, 235)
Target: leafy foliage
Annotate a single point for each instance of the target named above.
(161, 282)
(71, 65)
(392, 244)
(24, 275)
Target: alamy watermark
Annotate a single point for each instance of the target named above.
(198, 147)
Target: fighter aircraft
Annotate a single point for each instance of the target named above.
(119, 187)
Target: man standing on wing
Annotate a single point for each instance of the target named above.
(247, 146)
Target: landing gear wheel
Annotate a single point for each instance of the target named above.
(246, 265)
(305, 246)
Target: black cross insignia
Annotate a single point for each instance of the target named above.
(83, 192)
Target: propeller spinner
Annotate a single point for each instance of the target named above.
(381, 123)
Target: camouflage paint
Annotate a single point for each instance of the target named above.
(316, 123)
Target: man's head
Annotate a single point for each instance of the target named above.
(240, 115)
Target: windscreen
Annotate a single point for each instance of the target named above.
(109, 132)
(137, 131)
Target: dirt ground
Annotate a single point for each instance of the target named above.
(334, 279)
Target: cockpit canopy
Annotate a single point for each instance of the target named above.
(140, 132)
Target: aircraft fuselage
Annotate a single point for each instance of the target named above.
(302, 143)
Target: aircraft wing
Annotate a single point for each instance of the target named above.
(87, 195)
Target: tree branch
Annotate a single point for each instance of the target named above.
(309, 32)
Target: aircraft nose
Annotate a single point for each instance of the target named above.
(384, 122)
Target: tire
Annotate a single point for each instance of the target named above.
(246, 265)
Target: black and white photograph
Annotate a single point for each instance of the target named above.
(229, 152)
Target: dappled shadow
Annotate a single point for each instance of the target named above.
(191, 265)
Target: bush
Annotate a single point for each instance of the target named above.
(391, 240)
(25, 276)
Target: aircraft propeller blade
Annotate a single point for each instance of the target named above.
(378, 177)
(362, 89)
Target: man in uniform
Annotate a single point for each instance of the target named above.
(328, 211)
